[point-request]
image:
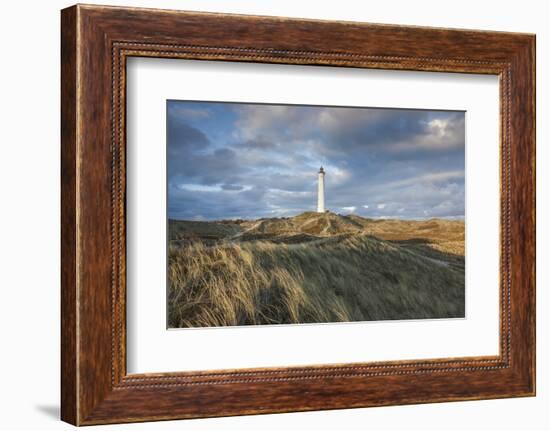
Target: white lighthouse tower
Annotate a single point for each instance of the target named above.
(321, 191)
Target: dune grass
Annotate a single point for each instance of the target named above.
(339, 278)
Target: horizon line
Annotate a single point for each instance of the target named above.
(389, 217)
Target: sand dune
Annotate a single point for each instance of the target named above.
(314, 267)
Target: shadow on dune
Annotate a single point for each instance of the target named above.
(260, 277)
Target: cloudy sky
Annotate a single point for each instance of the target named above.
(234, 160)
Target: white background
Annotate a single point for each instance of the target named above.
(29, 229)
(151, 348)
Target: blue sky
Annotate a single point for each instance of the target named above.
(236, 160)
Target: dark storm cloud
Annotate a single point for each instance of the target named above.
(250, 161)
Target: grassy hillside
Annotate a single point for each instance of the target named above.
(314, 268)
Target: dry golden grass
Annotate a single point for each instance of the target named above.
(320, 276)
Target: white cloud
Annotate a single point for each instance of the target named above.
(349, 209)
(268, 121)
(439, 134)
(381, 206)
(199, 188)
(366, 206)
(335, 175)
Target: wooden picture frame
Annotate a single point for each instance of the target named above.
(95, 43)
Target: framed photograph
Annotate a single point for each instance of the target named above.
(263, 214)
(259, 235)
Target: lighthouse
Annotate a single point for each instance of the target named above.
(321, 191)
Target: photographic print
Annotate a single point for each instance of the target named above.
(294, 214)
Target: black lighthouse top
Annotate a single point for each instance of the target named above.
(321, 170)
